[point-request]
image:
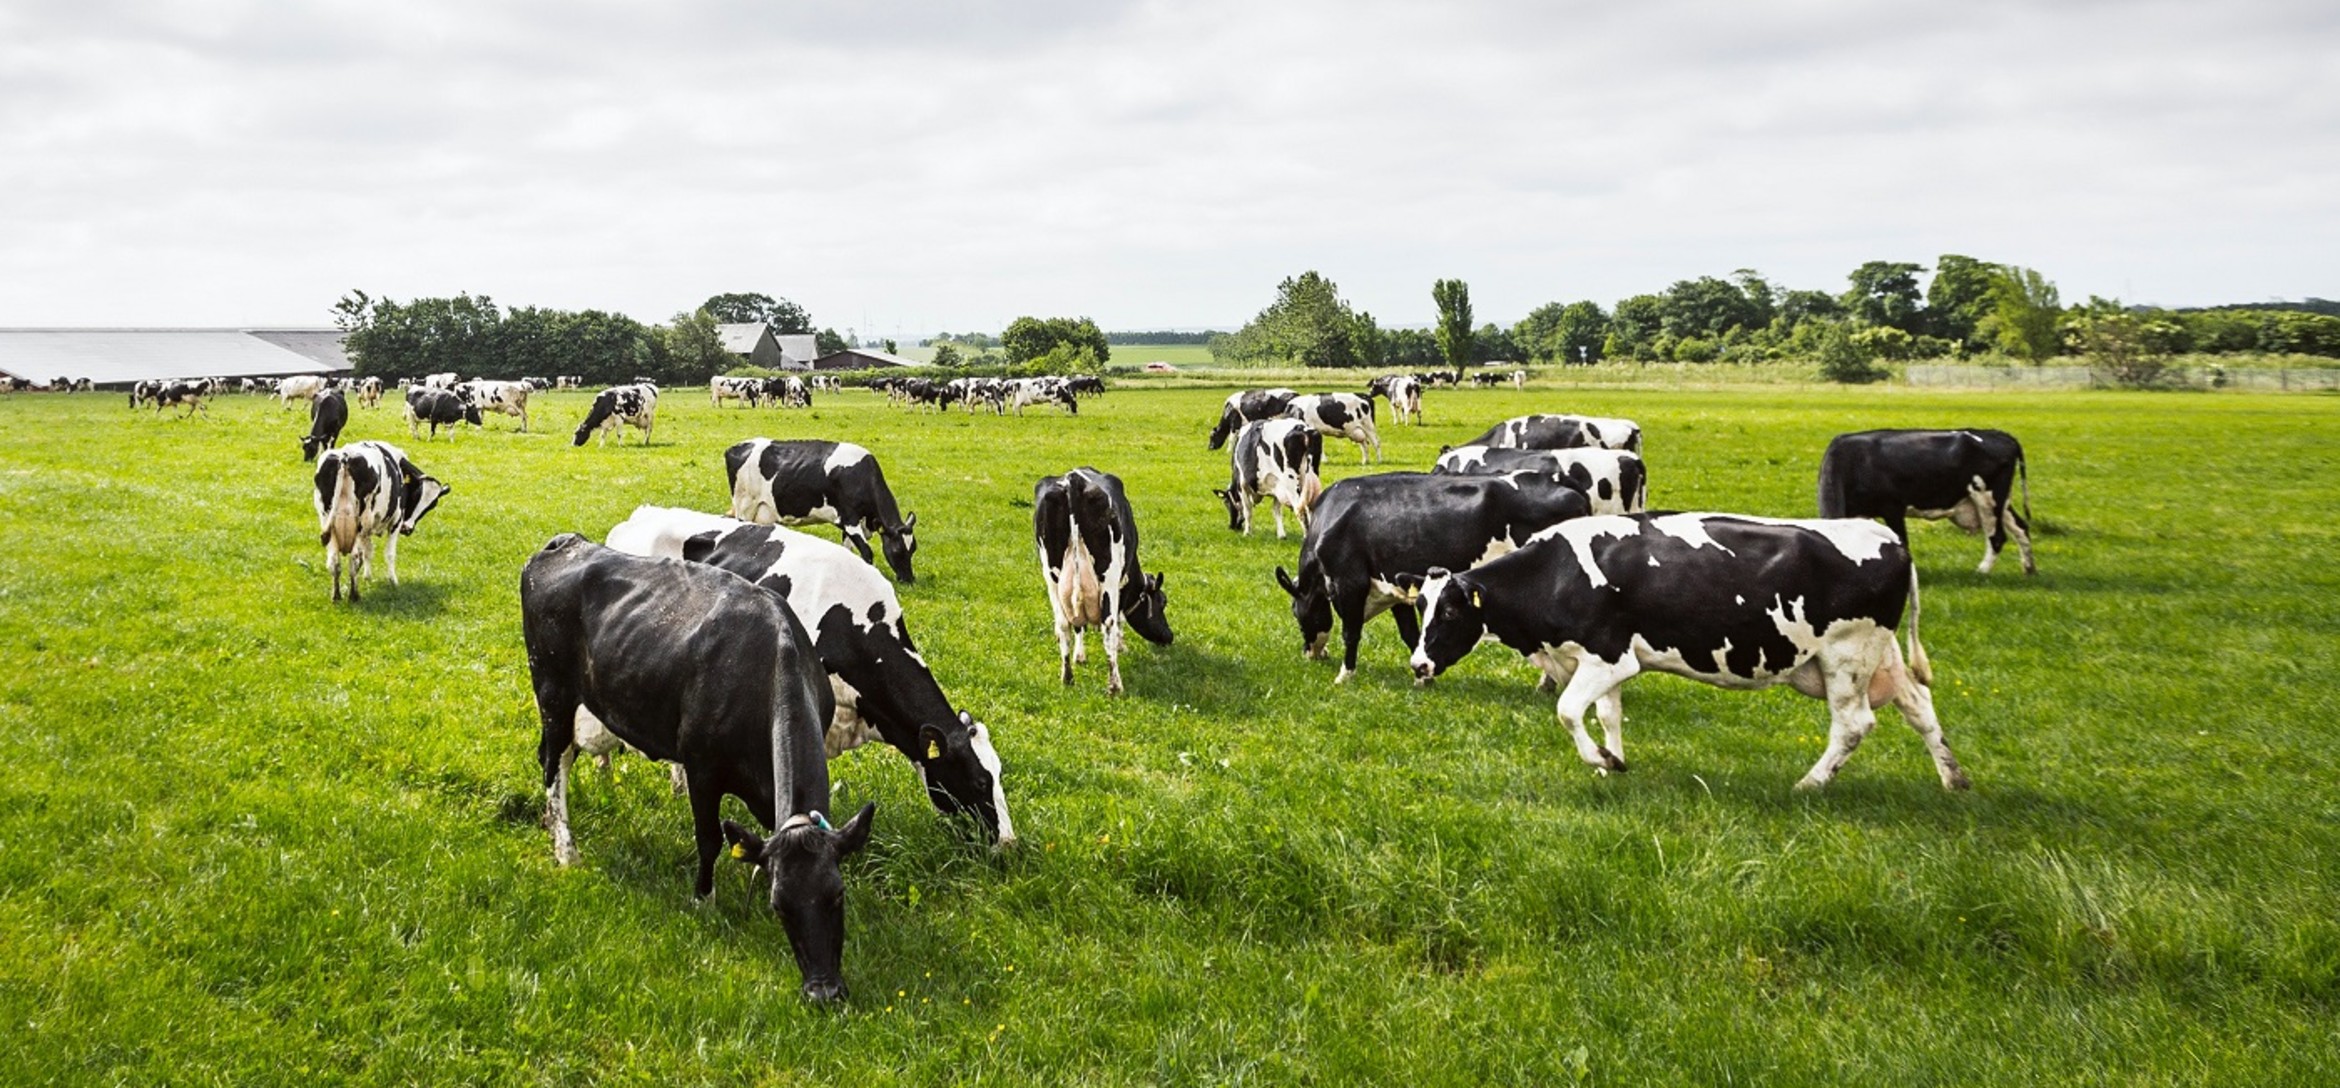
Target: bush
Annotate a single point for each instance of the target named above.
(1691, 349)
(1844, 358)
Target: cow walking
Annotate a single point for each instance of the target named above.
(1966, 476)
(367, 491)
(1279, 459)
(808, 481)
(438, 408)
(1249, 406)
(1087, 536)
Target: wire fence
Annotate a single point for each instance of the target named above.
(2241, 379)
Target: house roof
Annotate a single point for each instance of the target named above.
(862, 358)
(799, 347)
(742, 338)
(129, 355)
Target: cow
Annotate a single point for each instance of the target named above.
(787, 391)
(443, 380)
(1734, 601)
(149, 389)
(634, 641)
(1614, 481)
(568, 381)
(881, 685)
(328, 414)
(364, 489)
(186, 394)
(1547, 432)
(805, 481)
(502, 398)
(82, 385)
(1055, 391)
(618, 406)
(299, 387)
(748, 391)
(1404, 392)
(1279, 459)
(1967, 476)
(439, 408)
(1248, 406)
(1519, 379)
(369, 392)
(1088, 541)
(1368, 530)
(1340, 415)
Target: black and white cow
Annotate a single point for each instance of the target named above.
(327, 416)
(1547, 432)
(1249, 406)
(787, 391)
(748, 391)
(1056, 391)
(302, 388)
(618, 406)
(1088, 540)
(1278, 459)
(443, 380)
(1404, 392)
(808, 481)
(1340, 415)
(1614, 481)
(439, 408)
(633, 641)
(1367, 531)
(1967, 476)
(369, 392)
(149, 389)
(367, 491)
(881, 685)
(502, 398)
(183, 394)
(1733, 601)
(568, 381)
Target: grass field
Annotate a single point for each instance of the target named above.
(249, 836)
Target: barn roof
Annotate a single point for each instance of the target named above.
(129, 355)
(862, 359)
(741, 338)
(799, 349)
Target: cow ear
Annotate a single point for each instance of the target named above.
(1156, 584)
(746, 845)
(855, 834)
(910, 522)
(1285, 580)
(1409, 586)
(930, 742)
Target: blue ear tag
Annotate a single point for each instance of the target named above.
(821, 821)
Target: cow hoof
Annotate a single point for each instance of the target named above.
(1342, 677)
(1547, 685)
(1809, 783)
(565, 856)
(1612, 761)
(1956, 780)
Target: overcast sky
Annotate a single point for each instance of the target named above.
(901, 168)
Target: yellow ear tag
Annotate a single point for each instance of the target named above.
(934, 749)
(738, 851)
(1475, 599)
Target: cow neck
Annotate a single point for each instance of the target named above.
(800, 764)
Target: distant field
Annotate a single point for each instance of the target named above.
(249, 836)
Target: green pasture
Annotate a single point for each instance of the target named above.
(249, 836)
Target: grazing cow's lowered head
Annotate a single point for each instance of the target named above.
(961, 774)
(899, 545)
(1312, 609)
(1148, 611)
(1452, 619)
(807, 892)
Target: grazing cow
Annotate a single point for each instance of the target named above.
(149, 389)
(369, 392)
(805, 481)
(1966, 476)
(182, 394)
(1369, 530)
(327, 416)
(1613, 480)
(299, 387)
(635, 642)
(1278, 459)
(437, 407)
(1737, 602)
(1404, 392)
(364, 489)
(880, 682)
(82, 385)
(1487, 379)
(1562, 433)
(618, 406)
(1340, 415)
(1055, 391)
(747, 391)
(439, 381)
(787, 391)
(1088, 542)
(1249, 406)
(568, 381)
(502, 398)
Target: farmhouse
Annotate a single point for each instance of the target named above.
(757, 345)
(122, 356)
(863, 359)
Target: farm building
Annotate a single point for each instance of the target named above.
(119, 356)
(757, 345)
(862, 359)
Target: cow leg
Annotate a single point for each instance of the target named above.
(858, 536)
(556, 752)
(1898, 521)
(1849, 722)
(1352, 617)
(333, 567)
(707, 826)
(2013, 524)
(1111, 636)
(359, 562)
(1595, 681)
(1993, 526)
(390, 548)
(1067, 641)
(1409, 625)
(1916, 703)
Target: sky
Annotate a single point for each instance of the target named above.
(902, 168)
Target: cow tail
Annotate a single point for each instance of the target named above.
(345, 509)
(1829, 485)
(2023, 478)
(1919, 667)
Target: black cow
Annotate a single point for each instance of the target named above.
(856, 624)
(805, 481)
(1368, 530)
(691, 665)
(327, 416)
(1562, 433)
(1966, 476)
(1279, 459)
(439, 408)
(1614, 481)
(1737, 602)
(618, 406)
(1088, 543)
(1249, 406)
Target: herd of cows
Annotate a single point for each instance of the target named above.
(1536, 534)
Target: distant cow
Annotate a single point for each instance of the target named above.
(567, 381)
(1056, 391)
(141, 392)
(1249, 406)
(1967, 476)
(369, 392)
(1614, 480)
(299, 387)
(808, 481)
(1404, 392)
(444, 380)
(328, 414)
(747, 391)
(364, 489)
(439, 408)
(502, 398)
(1278, 459)
(1736, 602)
(1368, 530)
(691, 665)
(617, 407)
(1088, 543)
(1548, 432)
(881, 684)
(1340, 415)
(183, 394)
(787, 391)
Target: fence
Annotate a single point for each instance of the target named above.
(2244, 379)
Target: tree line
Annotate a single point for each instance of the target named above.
(472, 335)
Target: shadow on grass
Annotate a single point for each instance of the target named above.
(1184, 673)
(409, 599)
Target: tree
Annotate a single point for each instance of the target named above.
(1028, 338)
(1959, 298)
(1581, 334)
(782, 315)
(888, 345)
(1799, 306)
(1454, 322)
(946, 355)
(1371, 345)
(1636, 326)
(694, 349)
(1886, 293)
(1307, 324)
(1842, 358)
(827, 342)
(1707, 308)
(1493, 344)
(2024, 313)
(1761, 299)
(2123, 347)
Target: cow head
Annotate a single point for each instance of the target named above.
(1311, 608)
(807, 892)
(899, 544)
(1234, 507)
(962, 774)
(312, 445)
(422, 493)
(1453, 619)
(1229, 420)
(1147, 611)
